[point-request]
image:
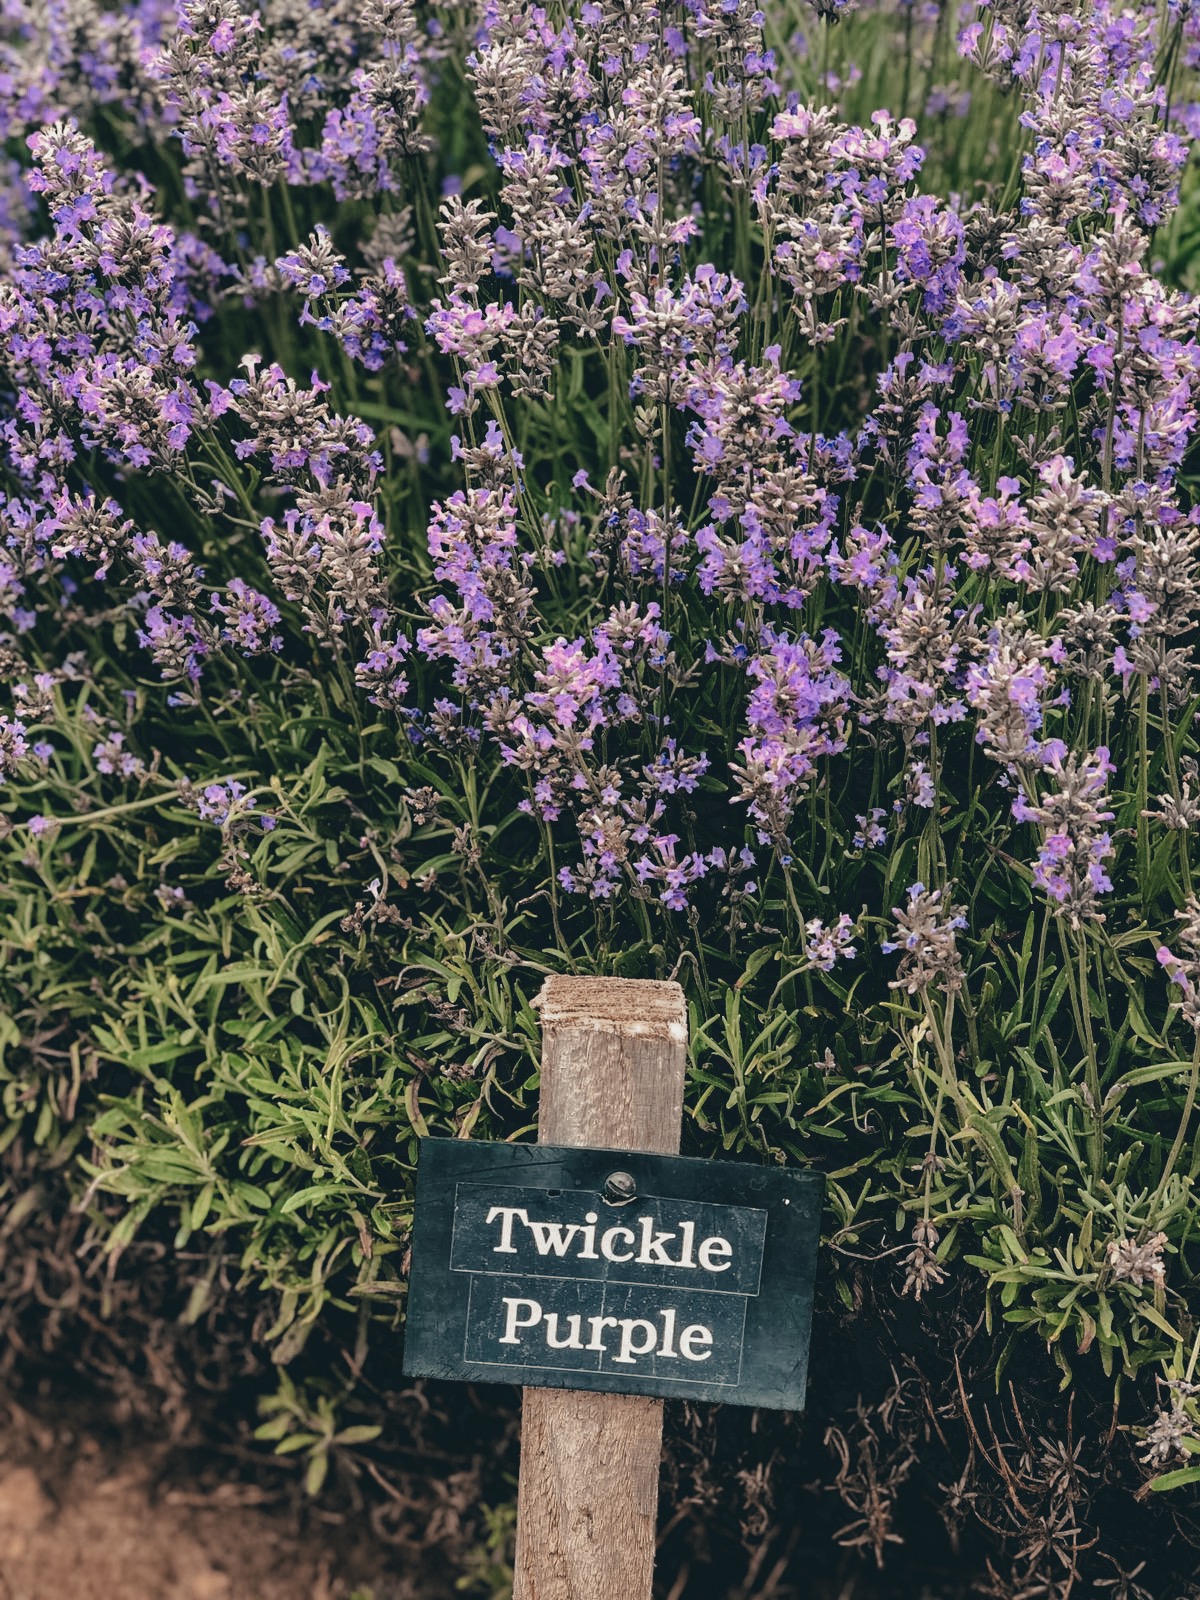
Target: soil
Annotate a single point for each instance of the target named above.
(97, 1518)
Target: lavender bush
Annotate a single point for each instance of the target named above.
(492, 488)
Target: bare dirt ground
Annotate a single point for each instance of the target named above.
(88, 1518)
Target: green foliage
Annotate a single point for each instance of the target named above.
(296, 1427)
(253, 1070)
(488, 1568)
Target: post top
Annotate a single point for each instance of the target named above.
(635, 1006)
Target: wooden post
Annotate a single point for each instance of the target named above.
(614, 1054)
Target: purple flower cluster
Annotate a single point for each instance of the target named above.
(1184, 971)
(825, 946)
(367, 322)
(112, 368)
(1000, 316)
(926, 937)
(987, 547)
(796, 713)
(1070, 866)
(241, 88)
(14, 745)
(230, 807)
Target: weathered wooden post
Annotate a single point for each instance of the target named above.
(602, 1271)
(614, 1053)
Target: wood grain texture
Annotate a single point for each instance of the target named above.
(614, 1054)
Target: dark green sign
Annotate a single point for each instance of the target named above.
(597, 1269)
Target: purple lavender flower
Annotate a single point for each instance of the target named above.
(825, 946)
(175, 644)
(250, 619)
(871, 834)
(14, 746)
(111, 757)
(230, 807)
(1070, 865)
(381, 674)
(796, 714)
(926, 929)
(367, 322)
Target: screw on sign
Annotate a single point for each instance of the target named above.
(604, 1282)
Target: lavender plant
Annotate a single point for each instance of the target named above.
(493, 488)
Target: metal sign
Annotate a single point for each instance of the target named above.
(601, 1269)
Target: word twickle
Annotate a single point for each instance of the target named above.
(556, 1238)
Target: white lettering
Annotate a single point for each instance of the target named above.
(573, 1341)
(648, 1246)
(596, 1324)
(651, 1252)
(636, 1337)
(698, 1335)
(552, 1237)
(687, 1232)
(716, 1246)
(508, 1215)
(606, 1245)
(514, 1320)
(628, 1349)
(668, 1348)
